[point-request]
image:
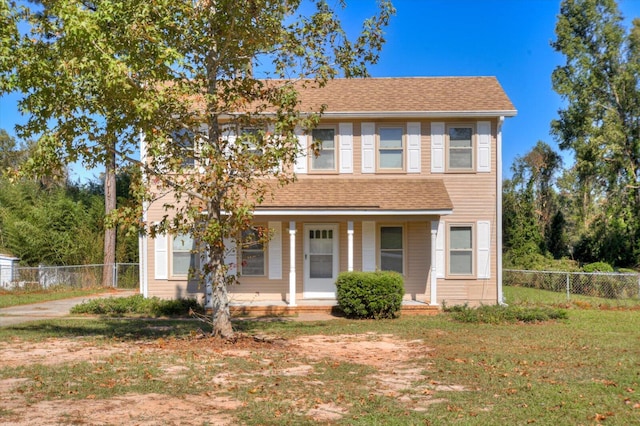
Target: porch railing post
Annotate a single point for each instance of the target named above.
(292, 263)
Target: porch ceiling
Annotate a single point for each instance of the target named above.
(407, 195)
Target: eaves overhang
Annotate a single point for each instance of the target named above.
(348, 212)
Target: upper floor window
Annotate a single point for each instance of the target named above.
(252, 253)
(460, 147)
(391, 249)
(390, 148)
(323, 157)
(251, 139)
(184, 141)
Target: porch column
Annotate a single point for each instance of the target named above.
(350, 246)
(292, 263)
(434, 277)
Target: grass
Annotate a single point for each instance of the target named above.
(525, 296)
(580, 370)
(26, 296)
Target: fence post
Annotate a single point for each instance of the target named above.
(568, 290)
(115, 275)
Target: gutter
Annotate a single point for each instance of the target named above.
(499, 210)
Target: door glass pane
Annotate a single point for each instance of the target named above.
(321, 246)
(321, 266)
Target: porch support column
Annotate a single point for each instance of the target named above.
(434, 277)
(292, 263)
(350, 246)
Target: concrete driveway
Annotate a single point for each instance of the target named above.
(52, 309)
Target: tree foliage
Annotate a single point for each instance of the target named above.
(56, 225)
(600, 124)
(99, 74)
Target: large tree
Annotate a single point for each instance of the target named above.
(99, 74)
(600, 123)
(532, 219)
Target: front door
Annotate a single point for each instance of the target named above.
(320, 260)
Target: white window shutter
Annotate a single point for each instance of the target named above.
(300, 166)
(275, 250)
(346, 147)
(437, 147)
(414, 150)
(231, 256)
(484, 248)
(484, 146)
(161, 268)
(368, 246)
(438, 225)
(368, 137)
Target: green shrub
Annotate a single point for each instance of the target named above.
(370, 294)
(597, 267)
(498, 314)
(137, 305)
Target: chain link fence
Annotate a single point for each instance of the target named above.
(125, 275)
(607, 285)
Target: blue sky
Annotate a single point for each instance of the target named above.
(509, 39)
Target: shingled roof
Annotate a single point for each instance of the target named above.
(420, 195)
(411, 94)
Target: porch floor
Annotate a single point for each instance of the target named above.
(315, 306)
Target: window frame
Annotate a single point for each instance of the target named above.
(242, 249)
(193, 257)
(471, 250)
(403, 149)
(403, 249)
(472, 148)
(311, 155)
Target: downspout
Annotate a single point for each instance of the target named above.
(499, 209)
(142, 238)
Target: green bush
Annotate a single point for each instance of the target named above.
(597, 267)
(370, 294)
(497, 314)
(137, 305)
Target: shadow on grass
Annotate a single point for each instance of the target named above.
(115, 328)
(132, 329)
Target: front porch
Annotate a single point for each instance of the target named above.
(279, 308)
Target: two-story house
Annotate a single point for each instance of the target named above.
(408, 178)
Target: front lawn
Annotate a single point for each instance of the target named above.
(412, 370)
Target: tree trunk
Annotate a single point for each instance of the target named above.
(221, 317)
(109, 233)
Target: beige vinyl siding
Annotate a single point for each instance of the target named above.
(473, 196)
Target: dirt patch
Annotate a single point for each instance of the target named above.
(56, 351)
(147, 409)
(396, 376)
